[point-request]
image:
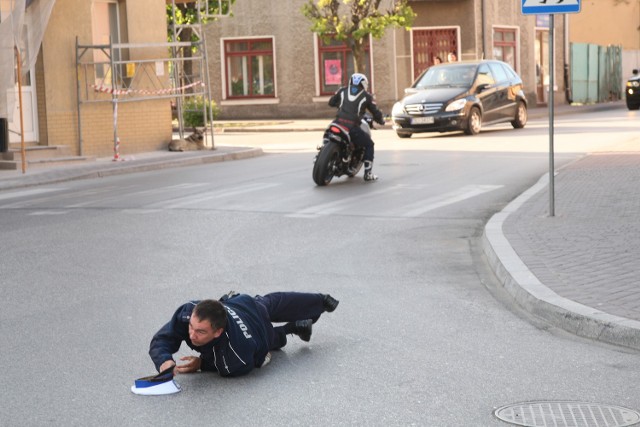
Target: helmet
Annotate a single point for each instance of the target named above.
(359, 79)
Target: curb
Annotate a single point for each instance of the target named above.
(534, 297)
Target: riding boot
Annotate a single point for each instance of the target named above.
(368, 174)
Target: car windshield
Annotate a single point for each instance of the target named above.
(447, 76)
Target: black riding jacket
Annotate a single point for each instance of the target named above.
(242, 346)
(352, 103)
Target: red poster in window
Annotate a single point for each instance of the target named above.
(332, 72)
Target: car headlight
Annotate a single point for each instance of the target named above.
(456, 105)
(398, 109)
(634, 83)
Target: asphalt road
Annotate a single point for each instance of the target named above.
(91, 269)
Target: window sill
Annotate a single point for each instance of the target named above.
(253, 101)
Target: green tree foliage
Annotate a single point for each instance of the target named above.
(187, 14)
(364, 18)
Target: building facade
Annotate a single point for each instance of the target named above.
(264, 61)
(610, 22)
(61, 104)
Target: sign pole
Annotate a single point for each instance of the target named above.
(538, 7)
(551, 115)
(23, 153)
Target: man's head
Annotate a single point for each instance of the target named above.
(208, 320)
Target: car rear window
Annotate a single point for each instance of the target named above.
(498, 73)
(485, 76)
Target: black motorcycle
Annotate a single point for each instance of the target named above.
(338, 155)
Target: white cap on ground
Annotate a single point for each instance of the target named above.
(156, 385)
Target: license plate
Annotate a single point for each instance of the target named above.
(422, 121)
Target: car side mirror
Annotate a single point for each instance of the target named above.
(482, 87)
(635, 72)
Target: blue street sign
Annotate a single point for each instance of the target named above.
(546, 7)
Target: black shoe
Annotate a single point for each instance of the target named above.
(301, 328)
(329, 303)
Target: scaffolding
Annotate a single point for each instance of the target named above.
(180, 72)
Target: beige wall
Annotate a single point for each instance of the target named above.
(142, 126)
(295, 54)
(607, 22)
(295, 58)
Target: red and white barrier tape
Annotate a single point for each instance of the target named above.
(111, 91)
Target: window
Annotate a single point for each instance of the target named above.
(336, 65)
(499, 73)
(504, 45)
(249, 68)
(105, 20)
(484, 76)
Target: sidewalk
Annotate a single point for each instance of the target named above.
(578, 270)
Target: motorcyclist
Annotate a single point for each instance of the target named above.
(352, 102)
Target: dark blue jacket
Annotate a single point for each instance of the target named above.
(242, 346)
(352, 103)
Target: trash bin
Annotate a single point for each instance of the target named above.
(4, 135)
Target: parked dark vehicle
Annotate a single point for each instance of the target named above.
(632, 91)
(461, 96)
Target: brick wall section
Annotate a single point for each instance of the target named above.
(142, 126)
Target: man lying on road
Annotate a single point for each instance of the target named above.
(235, 334)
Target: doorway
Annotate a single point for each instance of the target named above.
(427, 44)
(29, 111)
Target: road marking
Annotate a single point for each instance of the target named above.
(141, 211)
(162, 190)
(332, 207)
(59, 197)
(28, 193)
(210, 195)
(432, 203)
(49, 212)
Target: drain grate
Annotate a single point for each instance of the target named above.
(561, 413)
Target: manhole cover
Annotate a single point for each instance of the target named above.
(567, 414)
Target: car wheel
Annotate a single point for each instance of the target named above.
(474, 122)
(521, 116)
(404, 134)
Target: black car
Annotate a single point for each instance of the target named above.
(633, 91)
(461, 96)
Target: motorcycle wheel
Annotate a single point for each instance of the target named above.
(323, 168)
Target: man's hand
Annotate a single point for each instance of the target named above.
(192, 365)
(166, 365)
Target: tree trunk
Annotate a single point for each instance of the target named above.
(359, 56)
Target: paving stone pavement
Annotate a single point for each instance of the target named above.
(578, 269)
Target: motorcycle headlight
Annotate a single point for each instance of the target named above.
(456, 105)
(398, 109)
